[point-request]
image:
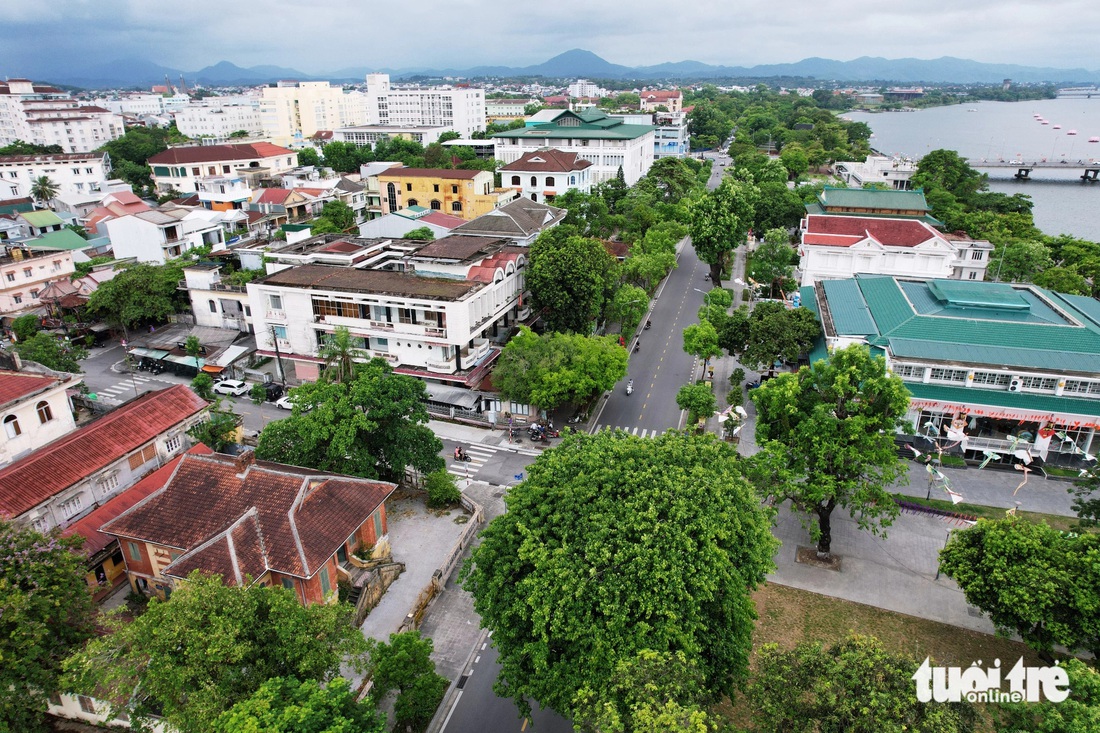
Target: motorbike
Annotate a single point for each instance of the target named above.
(575, 419)
(647, 324)
(630, 387)
(637, 345)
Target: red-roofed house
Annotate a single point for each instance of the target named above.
(836, 247)
(250, 522)
(540, 175)
(113, 206)
(64, 480)
(181, 168)
(463, 193)
(671, 100)
(34, 409)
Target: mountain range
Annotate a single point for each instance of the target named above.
(133, 72)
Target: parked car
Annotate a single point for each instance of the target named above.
(285, 403)
(233, 387)
(273, 391)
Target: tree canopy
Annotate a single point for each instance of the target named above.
(827, 434)
(404, 665)
(1080, 712)
(773, 262)
(285, 705)
(571, 281)
(1032, 580)
(50, 351)
(372, 426)
(770, 332)
(212, 646)
(587, 567)
(720, 221)
(46, 612)
(139, 294)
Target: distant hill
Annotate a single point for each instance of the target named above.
(575, 63)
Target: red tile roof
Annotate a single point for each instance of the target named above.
(88, 526)
(844, 231)
(427, 173)
(239, 517)
(53, 468)
(273, 196)
(15, 386)
(548, 160)
(658, 94)
(211, 153)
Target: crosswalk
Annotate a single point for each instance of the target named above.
(640, 432)
(479, 454)
(125, 390)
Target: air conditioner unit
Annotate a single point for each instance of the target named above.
(1015, 386)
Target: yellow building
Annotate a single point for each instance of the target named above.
(461, 193)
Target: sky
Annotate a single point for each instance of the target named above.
(320, 36)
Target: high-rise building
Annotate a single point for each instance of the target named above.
(461, 109)
(291, 112)
(45, 115)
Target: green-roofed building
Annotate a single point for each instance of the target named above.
(873, 202)
(607, 142)
(65, 240)
(1005, 367)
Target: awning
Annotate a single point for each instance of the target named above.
(185, 360)
(212, 369)
(463, 398)
(230, 355)
(141, 351)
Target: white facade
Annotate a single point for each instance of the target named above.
(363, 135)
(23, 278)
(671, 139)
(219, 122)
(540, 176)
(162, 234)
(181, 169)
(507, 107)
(39, 416)
(136, 105)
(585, 88)
(838, 247)
(292, 112)
(72, 173)
(460, 110)
(894, 172)
(44, 115)
(214, 303)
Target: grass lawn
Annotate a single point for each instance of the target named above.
(990, 512)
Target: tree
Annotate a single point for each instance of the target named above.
(441, 489)
(779, 207)
(1063, 280)
(372, 426)
(795, 160)
(628, 307)
(698, 400)
(828, 433)
(404, 664)
(77, 230)
(1032, 580)
(212, 646)
(339, 214)
(203, 385)
(586, 568)
(773, 261)
(720, 221)
(52, 352)
(673, 178)
(340, 355)
(1079, 712)
(571, 281)
(345, 157)
(219, 429)
(321, 225)
(285, 705)
(43, 189)
(26, 326)
(420, 233)
(1019, 261)
(193, 347)
(770, 333)
(309, 157)
(853, 685)
(1086, 497)
(946, 169)
(650, 693)
(139, 294)
(701, 340)
(557, 368)
(436, 156)
(47, 612)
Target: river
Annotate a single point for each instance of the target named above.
(1010, 131)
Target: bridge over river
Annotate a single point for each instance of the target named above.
(1091, 168)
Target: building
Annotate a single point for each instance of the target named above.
(400, 223)
(216, 304)
(135, 105)
(24, 275)
(521, 221)
(672, 100)
(162, 234)
(34, 410)
(1005, 367)
(45, 115)
(466, 194)
(226, 192)
(291, 112)
(893, 172)
(218, 122)
(671, 138)
(62, 481)
(370, 135)
(180, 169)
(498, 110)
(543, 174)
(435, 310)
(483, 149)
(585, 88)
(72, 173)
(112, 206)
(461, 109)
(606, 142)
(251, 522)
(836, 247)
(897, 203)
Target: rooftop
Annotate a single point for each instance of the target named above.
(520, 218)
(548, 160)
(445, 173)
(383, 282)
(844, 231)
(17, 386)
(460, 248)
(211, 153)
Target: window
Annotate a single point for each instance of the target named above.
(406, 315)
(515, 181)
(413, 202)
(549, 180)
(42, 524)
(108, 483)
(456, 206)
(1044, 384)
(454, 189)
(225, 169)
(172, 444)
(907, 370)
(143, 456)
(86, 704)
(134, 550)
(17, 298)
(71, 507)
(280, 332)
(977, 254)
(377, 517)
(34, 294)
(948, 375)
(992, 379)
(1081, 386)
(534, 181)
(973, 276)
(288, 583)
(11, 426)
(196, 171)
(436, 205)
(391, 196)
(572, 180)
(213, 306)
(408, 187)
(435, 188)
(45, 414)
(10, 276)
(275, 302)
(28, 271)
(326, 586)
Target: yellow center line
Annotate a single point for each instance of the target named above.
(524, 726)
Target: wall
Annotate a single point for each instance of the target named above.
(34, 433)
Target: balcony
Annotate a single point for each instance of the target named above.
(476, 352)
(441, 367)
(284, 344)
(276, 315)
(391, 358)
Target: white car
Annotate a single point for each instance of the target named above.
(287, 403)
(233, 387)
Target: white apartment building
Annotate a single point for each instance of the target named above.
(607, 142)
(436, 310)
(894, 172)
(585, 88)
(292, 112)
(135, 105)
(363, 135)
(44, 115)
(163, 234)
(34, 410)
(836, 247)
(72, 173)
(459, 109)
(218, 122)
(180, 169)
(23, 276)
(217, 304)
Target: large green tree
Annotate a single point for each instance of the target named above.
(773, 262)
(212, 646)
(1080, 712)
(587, 567)
(284, 705)
(571, 281)
(1031, 579)
(557, 368)
(374, 425)
(854, 686)
(404, 664)
(340, 214)
(138, 295)
(770, 332)
(720, 222)
(45, 612)
(52, 352)
(699, 401)
(43, 190)
(828, 437)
